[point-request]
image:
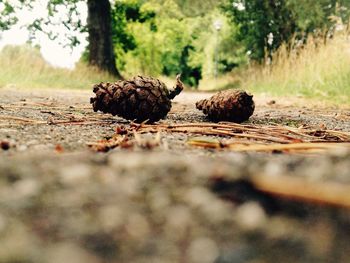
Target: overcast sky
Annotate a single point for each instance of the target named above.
(51, 50)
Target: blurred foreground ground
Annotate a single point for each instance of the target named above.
(62, 202)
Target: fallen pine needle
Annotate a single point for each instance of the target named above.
(259, 147)
(21, 119)
(298, 188)
(270, 133)
(287, 147)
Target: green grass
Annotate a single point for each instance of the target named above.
(316, 70)
(24, 67)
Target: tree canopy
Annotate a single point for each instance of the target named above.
(264, 25)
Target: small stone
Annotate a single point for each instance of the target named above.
(69, 252)
(274, 169)
(203, 250)
(130, 186)
(26, 188)
(137, 227)
(111, 217)
(5, 145)
(158, 199)
(250, 216)
(17, 244)
(22, 148)
(241, 253)
(32, 142)
(198, 197)
(178, 221)
(75, 174)
(42, 147)
(217, 211)
(59, 148)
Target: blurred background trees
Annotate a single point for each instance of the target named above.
(265, 25)
(200, 39)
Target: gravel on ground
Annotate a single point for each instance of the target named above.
(62, 202)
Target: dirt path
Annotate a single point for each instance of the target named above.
(62, 202)
(41, 120)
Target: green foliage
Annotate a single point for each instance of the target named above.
(174, 40)
(123, 13)
(319, 16)
(7, 17)
(265, 25)
(155, 37)
(164, 42)
(195, 8)
(8, 9)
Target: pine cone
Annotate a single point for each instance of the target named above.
(229, 105)
(138, 99)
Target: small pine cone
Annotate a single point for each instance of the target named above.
(138, 99)
(229, 105)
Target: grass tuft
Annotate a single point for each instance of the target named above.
(315, 70)
(24, 67)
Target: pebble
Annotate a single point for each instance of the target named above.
(32, 142)
(137, 226)
(26, 188)
(42, 147)
(130, 186)
(203, 250)
(5, 145)
(250, 216)
(111, 217)
(69, 252)
(75, 174)
(22, 148)
(178, 220)
(274, 169)
(17, 244)
(198, 197)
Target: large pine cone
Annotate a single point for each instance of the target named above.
(229, 105)
(138, 99)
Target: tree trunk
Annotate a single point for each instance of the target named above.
(101, 53)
